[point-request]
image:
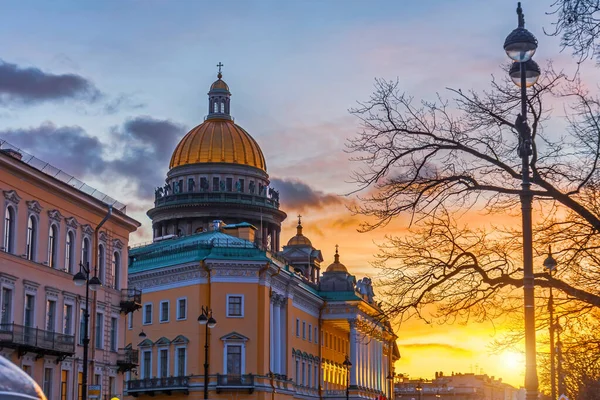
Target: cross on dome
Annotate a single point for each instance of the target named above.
(219, 98)
(299, 219)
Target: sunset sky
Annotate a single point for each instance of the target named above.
(134, 77)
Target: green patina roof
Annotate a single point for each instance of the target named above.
(240, 225)
(339, 296)
(192, 248)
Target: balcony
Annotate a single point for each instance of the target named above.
(152, 386)
(127, 359)
(235, 383)
(25, 339)
(131, 300)
(193, 198)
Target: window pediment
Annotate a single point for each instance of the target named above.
(34, 206)
(234, 337)
(180, 339)
(11, 195)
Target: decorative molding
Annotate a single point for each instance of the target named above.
(72, 222)
(12, 196)
(30, 285)
(34, 206)
(87, 229)
(103, 237)
(117, 244)
(167, 276)
(52, 290)
(7, 278)
(55, 215)
(69, 296)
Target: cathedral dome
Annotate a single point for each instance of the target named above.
(299, 239)
(218, 141)
(336, 266)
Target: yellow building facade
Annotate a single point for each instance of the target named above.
(229, 313)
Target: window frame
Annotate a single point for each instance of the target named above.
(9, 227)
(177, 316)
(159, 361)
(143, 364)
(71, 304)
(100, 342)
(116, 269)
(70, 250)
(31, 240)
(116, 335)
(52, 253)
(144, 322)
(177, 372)
(160, 311)
(297, 327)
(241, 315)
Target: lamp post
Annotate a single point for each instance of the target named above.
(347, 364)
(83, 278)
(419, 389)
(520, 45)
(550, 265)
(206, 319)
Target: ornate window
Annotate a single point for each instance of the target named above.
(101, 263)
(52, 235)
(116, 270)
(31, 238)
(85, 251)
(69, 250)
(234, 354)
(9, 229)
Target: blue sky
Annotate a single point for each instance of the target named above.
(294, 68)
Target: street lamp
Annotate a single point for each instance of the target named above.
(83, 278)
(419, 389)
(550, 265)
(520, 45)
(207, 319)
(347, 364)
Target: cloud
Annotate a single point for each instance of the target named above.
(297, 195)
(70, 148)
(142, 146)
(31, 85)
(436, 347)
(149, 143)
(122, 101)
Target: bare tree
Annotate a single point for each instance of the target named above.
(436, 160)
(578, 25)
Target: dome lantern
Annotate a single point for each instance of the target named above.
(218, 98)
(337, 266)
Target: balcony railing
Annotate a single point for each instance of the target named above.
(153, 385)
(232, 382)
(131, 300)
(26, 339)
(127, 359)
(216, 197)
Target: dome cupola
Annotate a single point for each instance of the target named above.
(299, 239)
(219, 98)
(337, 266)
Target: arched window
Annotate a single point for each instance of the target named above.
(116, 270)
(85, 252)
(9, 229)
(69, 249)
(222, 107)
(216, 107)
(31, 235)
(101, 263)
(52, 234)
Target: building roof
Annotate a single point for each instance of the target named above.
(197, 247)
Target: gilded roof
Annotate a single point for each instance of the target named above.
(219, 84)
(218, 141)
(336, 265)
(299, 239)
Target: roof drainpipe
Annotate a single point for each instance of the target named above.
(95, 295)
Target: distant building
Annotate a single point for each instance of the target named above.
(455, 387)
(285, 330)
(48, 224)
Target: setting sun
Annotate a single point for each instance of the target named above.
(512, 361)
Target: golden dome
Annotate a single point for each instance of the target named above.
(219, 84)
(336, 266)
(218, 141)
(299, 239)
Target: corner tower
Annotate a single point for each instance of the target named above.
(217, 172)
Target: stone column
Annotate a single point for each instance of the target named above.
(353, 353)
(277, 338)
(283, 337)
(272, 336)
